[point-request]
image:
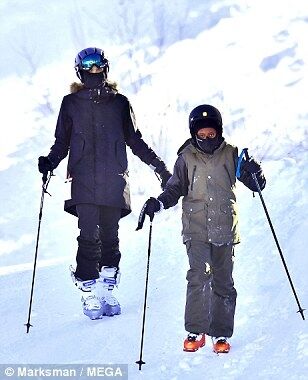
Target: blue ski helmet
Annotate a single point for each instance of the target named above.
(89, 57)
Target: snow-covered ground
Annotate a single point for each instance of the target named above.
(253, 66)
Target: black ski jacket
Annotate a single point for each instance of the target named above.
(94, 126)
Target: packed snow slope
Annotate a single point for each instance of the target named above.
(252, 65)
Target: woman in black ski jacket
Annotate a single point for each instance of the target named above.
(94, 126)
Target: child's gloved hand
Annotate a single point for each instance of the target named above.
(152, 206)
(251, 166)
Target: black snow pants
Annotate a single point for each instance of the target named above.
(98, 242)
(211, 296)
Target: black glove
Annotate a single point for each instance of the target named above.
(152, 206)
(164, 176)
(45, 165)
(250, 166)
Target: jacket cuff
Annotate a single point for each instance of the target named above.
(157, 165)
(161, 201)
(53, 161)
(162, 207)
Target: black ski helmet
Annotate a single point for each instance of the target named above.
(100, 60)
(209, 115)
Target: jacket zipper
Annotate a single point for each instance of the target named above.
(94, 136)
(192, 178)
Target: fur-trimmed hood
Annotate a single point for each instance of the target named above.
(77, 86)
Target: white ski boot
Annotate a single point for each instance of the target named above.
(91, 304)
(108, 279)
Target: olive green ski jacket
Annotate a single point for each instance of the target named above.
(207, 183)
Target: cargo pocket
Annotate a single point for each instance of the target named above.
(228, 215)
(194, 217)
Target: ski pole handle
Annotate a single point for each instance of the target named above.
(142, 217)
(246, 154)
(44, 178)
(239, 162)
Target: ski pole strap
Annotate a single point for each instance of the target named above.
(142, 217)
(239, 162)
(46, 180)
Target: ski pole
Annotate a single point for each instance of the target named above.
(140, 362)
(300, 310)
(46, 180)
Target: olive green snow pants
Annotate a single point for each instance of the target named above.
(211, 296)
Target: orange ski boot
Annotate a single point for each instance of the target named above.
(221, 345)
(193, 342)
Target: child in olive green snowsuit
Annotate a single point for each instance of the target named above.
(205, 175)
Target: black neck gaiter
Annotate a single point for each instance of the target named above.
(209, 145)
(93, 80)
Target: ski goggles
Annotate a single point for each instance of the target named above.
(91, 60)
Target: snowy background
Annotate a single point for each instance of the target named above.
(249, 59)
